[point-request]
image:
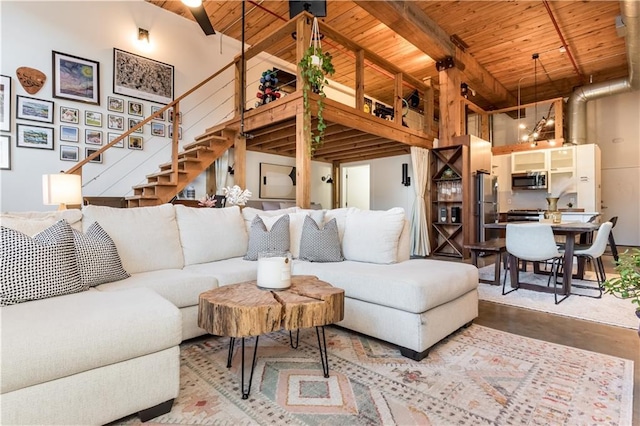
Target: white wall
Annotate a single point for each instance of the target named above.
(32, 30)
(613, 124)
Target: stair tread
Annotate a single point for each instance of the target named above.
(141, 197)
(165, 173)
(152, 184)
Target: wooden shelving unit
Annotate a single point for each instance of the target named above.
(447, 195)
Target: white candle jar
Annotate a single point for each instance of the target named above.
(274, 270)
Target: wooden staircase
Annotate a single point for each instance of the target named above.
(196, 157)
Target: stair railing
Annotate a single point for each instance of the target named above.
(77, 169)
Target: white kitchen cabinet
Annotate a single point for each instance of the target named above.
(588, 171)
(562, 170)
(529, 161)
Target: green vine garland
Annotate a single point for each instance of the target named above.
(313, 77)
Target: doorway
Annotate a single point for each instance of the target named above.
(355, 187)
(621, 197)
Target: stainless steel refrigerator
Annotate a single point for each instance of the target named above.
(486, 190)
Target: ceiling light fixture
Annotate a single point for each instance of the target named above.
(531, 136)
(192, 3)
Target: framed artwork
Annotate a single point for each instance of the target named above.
(115, 122)
(5, 152)
(135, 108)
(142, 78)
(93, 118)
(136, 142)
(112, 136)
(34, 109)
(69, 134)
(90, 151)
(76, 79)
(115, 104)
(69, 115)
(155, 109)
(133, 123)
(69, 153)
(277, 181)
(171, 116)
(179, 132)
(34, 136)
(5, 103)
(93, 137)
(157, 129)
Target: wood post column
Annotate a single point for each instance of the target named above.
(451, 109)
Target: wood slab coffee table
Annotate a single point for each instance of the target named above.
(244, 310)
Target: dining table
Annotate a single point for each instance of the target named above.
(568, 229)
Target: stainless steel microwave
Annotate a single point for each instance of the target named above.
(529, 180)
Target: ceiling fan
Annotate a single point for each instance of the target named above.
(200, 14)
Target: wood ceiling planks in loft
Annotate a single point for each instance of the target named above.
(502, 36)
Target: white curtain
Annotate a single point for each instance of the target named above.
(222, 168)
(419, 233)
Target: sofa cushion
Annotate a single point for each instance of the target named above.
(263, 239)
(228, 271)
(147, 238)
(414, 286)
(340, 215)
(249, 213)
(373, 236)
(320, 245)
(98, 259)
(61, 336)
(178, 286)
(31, 223)
(208, 235)
(39, 267)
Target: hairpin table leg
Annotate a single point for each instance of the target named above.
(232, 342)
(322, 347)
(297, 339)
(245, 394)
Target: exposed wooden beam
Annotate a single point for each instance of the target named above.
(407, 19)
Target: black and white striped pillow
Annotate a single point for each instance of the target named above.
(39, 267)
(320, 245)
(98, 258)
(276, 239)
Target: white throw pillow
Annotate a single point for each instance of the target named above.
(31, 223)
(373, 236)
(147, 238)
(340, 215)
(248, 213)
(208, 235)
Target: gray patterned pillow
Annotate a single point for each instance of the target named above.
(276, 239)
(98, 258)
(39, 267)
(320, 245)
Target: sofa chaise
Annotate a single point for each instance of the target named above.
(98, 355)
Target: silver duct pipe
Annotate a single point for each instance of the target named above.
(577, 104)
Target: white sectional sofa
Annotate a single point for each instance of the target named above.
(98, 355)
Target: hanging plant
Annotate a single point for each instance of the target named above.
(314, 66)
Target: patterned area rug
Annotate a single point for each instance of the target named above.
(607, 310)
(477, 376)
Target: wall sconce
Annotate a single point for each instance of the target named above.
(61, 189)
(231, 170)
(327, 179)
(143, 35)
(406, 180)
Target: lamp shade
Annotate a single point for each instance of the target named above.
(61, 189)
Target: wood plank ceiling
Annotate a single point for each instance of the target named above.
(501, 36)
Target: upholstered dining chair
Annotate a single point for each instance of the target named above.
(594, 253)
(533, 242)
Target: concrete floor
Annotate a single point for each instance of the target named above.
(587, 335)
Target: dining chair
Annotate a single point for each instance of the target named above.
(612, 241)
(594, 254)
(534, 242)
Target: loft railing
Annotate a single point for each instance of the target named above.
(301, 25)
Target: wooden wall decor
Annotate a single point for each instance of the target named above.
(31, 79)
